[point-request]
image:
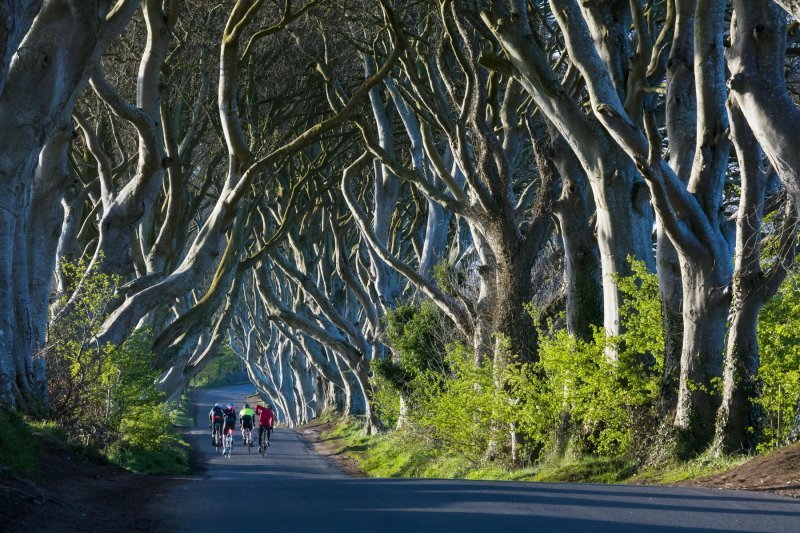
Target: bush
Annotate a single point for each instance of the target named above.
(609, 403)
(79, 372)
(385, 400)
(105, 396)
(417, 335)
(459, 410)
(149, 443)
(603, 392)
(779, 372)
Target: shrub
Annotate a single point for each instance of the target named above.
(604, 390)
(105, 396)
(458, 410)
(779, 371)
(417, 335)
(608, 402)
(148, 443)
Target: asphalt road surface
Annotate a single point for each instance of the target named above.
(293, 489)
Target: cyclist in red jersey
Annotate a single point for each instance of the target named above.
(266, 421)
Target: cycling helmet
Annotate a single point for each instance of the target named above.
(218, 404)
(247, 406)
(230, 405)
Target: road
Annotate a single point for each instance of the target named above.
(294, 489)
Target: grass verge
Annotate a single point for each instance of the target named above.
(18, 450)
(21, 445)
(402, 454)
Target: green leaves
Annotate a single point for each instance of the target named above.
(105, 396)
(779, 371)
(606, 400)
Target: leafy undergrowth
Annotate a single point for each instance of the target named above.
(402, 454)
(146, 447)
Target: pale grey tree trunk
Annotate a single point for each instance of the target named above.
(582, 275)
(385, 193)
(681, 124)
(739, 420)
(16, 17)
(45, 219)
(41, 84)
(758, 84)
(705, 312)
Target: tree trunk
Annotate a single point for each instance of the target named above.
(582, 274)
(739, 418)
(756, 60)
(705, 313)
(62, 46)
(681, 118)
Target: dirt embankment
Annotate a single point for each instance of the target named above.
(778, 472)
(73, 492)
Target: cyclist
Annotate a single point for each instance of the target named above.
(266, 421)
(230, 420)
(246, 417)
(215, 419)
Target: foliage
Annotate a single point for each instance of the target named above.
(224, 369)
(601, 392)
(79, 372)
(105, 396)
(606, 388)
(417, 335)
(448, 277)
(148, 443)
(779, 371)
(385, 399)
(459, 412)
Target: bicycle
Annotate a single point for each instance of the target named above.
(217, 437)
(263, 443)
(247, 439)
(227, 446)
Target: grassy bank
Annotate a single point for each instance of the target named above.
(145, 448)
(403, 454)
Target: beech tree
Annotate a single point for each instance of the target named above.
(283, 176)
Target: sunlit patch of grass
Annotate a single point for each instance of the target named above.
(679, 471)
(404, 454)
(181, 412)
